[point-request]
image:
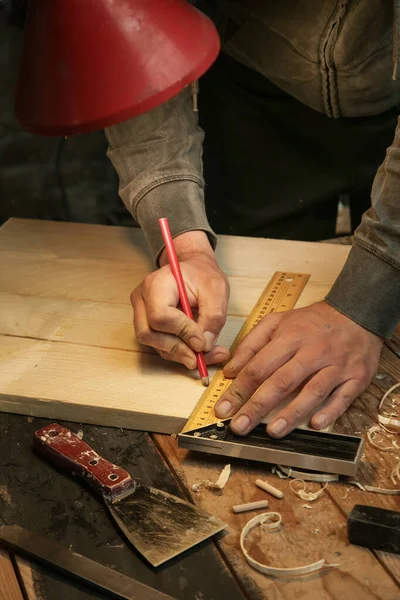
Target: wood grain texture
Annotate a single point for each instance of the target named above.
(67, 348)
(9, 587)
(307, 535)
(30, 579)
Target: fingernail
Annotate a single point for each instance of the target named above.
(196, 343)
(210, 340)
(279, 427)
(223, 409)
(241, 424)
(319, 421)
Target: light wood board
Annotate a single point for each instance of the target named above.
(9, 587)
(67, 347)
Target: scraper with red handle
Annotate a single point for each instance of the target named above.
(159, 525)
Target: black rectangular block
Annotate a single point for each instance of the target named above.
(375, 528)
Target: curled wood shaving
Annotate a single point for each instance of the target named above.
(318, 477)
(303, 494)
(371, 434)
(216, 485)
(395, 474)
(391, 422)
(375, 490)
(386, 394)
(272, 521)
(278, 471)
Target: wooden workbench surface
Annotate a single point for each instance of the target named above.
(216, 570)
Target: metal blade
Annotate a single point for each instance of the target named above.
(321, 451)
(160, 525)
(79, 567)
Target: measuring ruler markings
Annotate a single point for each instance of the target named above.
(281, 294)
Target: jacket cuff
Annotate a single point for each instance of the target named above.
(182, 203)
(368, 291)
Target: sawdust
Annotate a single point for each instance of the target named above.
(5, 495)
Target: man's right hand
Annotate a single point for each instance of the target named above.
(161, 324)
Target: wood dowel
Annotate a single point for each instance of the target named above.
(250, 506)
(270, 489)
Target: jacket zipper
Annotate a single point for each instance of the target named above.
(330, 92)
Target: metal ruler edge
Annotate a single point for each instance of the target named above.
(281, 294)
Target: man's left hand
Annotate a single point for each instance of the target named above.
(318, 349)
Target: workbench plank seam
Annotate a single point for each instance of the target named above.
(146, 350)
(18, 576)
(188, 495)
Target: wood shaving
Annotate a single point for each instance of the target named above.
(386, 394)
(303, 494)
(318, 477)
(216, 485)
(278, 471)
(375, 490)
(390, 422)
(307, 506)
(272, 521)
(395, 474)
(371, 434)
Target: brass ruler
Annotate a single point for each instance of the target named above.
(281, 294)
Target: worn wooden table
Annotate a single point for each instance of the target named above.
(217, 569)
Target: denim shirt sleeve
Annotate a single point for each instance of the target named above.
(368, 288)
(158, 157)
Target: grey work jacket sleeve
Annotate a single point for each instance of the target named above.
(368, 288)
(158, 157)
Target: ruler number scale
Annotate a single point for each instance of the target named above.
(281, 294)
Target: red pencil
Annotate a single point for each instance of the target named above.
(177, 273)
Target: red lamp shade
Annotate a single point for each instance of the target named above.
(87, 64)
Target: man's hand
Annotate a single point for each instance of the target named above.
(317, 347)
(160, 323)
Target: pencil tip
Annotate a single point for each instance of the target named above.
(205, 381)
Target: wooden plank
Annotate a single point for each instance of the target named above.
(68, 241)
(60, 240)
(88, 323)
(67, 348)
(51, 503)
(106, 281)
(9, 587)
(30, 579)
(307, 535)
(95, 385)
